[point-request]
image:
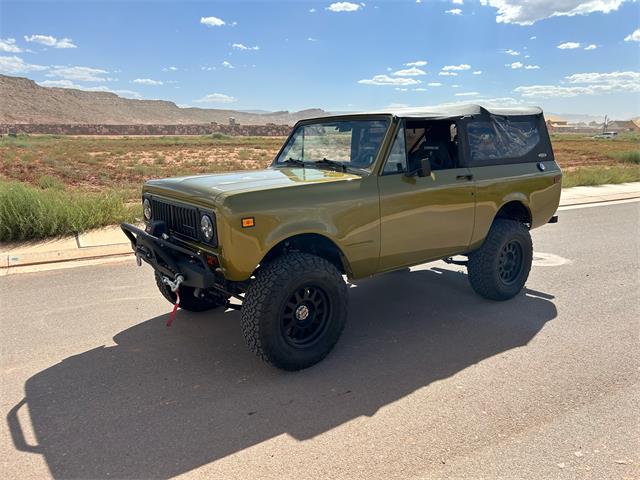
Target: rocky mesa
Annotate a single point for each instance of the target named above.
(23, 101)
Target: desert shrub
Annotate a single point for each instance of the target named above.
(628, 157)
(28, 212)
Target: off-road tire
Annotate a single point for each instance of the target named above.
(269, 297)
(485, 264)
(187, 300)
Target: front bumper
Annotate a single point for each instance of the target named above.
(170, 259)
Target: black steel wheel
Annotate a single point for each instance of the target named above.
(500, 267)
(306, 316)
(294, 311)
(510, 262)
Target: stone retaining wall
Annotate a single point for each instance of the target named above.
(270, 130)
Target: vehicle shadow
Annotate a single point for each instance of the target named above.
(164, 401)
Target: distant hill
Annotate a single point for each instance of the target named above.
(24, 101)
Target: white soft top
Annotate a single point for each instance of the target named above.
(457, 111)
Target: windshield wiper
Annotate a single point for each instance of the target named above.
(332, 163)
(293, 161)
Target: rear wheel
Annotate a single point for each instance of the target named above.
(294, 311)
(500, 267)
(188, 301)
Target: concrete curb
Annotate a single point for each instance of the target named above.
(110, 242)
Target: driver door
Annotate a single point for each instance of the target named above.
(423, 218)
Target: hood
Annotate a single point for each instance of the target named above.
(209, 187)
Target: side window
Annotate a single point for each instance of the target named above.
(498, 139)
(397, 161)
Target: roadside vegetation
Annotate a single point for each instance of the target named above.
(28, 212)
(57, 185)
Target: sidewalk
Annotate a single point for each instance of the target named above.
(110, 242)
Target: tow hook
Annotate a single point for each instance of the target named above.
(174, 285)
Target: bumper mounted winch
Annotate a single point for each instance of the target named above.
(169, 259)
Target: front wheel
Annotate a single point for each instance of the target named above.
(294, 311)
(500, 267)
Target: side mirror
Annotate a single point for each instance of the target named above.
(425, 168)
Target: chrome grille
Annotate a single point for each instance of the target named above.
(179, 219)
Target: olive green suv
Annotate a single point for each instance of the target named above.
(352, 196)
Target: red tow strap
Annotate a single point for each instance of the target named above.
(175, 309)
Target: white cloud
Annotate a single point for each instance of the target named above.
(448, 74)
(312, 10)
(60, 84)
(226, 64)
(532, 67)
(401, 89)
(462, 66)
(13, 65)
(591, 47)
(50, 41)
(527, 12)
(417, 63)
(170, 69)
(477, 72)
(147, 81)
(387, 80)
(217, 98)
(344, 7)
(533, 37)
(569, 45)
(409, 72)
(311, 39)
(434, 84)
(512, 52)
(467, 94)
(586, 84)
(455, 86)
(605, 78)
(212, 21)
(9, 46)
(514, 65)
(457, 2)
(82, 74)
(122, 93)
(397, 105)
(634, 36)
(420, 89)
(240, 46)
(102, 88)
(454, 11)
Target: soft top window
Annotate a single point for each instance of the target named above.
(495, 140)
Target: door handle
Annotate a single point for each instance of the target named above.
(464, 177)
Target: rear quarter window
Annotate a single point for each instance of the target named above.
(499, 140)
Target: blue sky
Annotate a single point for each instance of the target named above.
(569, 56)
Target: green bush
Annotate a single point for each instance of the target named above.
(47, 181)
(28, 212)
(600, 176)
(628, 157)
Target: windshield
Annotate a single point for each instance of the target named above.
(345, 144)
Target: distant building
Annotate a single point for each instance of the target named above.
(622, 126)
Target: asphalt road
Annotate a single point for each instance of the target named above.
(428, 380)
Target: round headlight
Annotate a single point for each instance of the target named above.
(147, 209)
(206, 227)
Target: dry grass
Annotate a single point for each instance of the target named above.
(56, 185)
(98, 164)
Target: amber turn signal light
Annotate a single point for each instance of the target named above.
(248, 222)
